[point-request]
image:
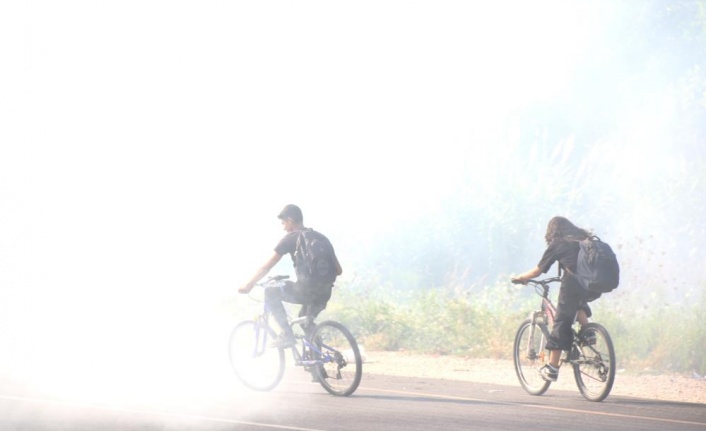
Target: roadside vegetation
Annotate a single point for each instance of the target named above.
(439, 282)
(649, 335)
(621, 154)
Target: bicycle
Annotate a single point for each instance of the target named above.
(327, 350)
(592, 354)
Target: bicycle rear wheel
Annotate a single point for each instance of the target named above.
(529, 356)
(342, 365)
(257, 365)
(594, 369)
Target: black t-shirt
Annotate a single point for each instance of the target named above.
(564, 252)
(288, 244)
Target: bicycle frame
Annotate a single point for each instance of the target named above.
(544, 317)
(327, 350)
(307, 345)
(262, 326)
(592, 355)
(261, 333)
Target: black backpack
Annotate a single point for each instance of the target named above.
(597, 268)
(314, 259)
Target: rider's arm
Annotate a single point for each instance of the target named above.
(532, 273)
(264, 269)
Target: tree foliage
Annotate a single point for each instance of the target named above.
(621, 152)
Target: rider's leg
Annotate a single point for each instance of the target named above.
(582, 317)
(308, 325)
(313, 305)
(312, 309)
(554, 358)
(562, 336)
(550, 371)
(274, 295)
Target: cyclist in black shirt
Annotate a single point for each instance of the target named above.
(562, 239)
(312, 298)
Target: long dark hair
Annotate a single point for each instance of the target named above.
(561, 229)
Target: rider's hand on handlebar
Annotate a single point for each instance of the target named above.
(518, 280)
(246, 288)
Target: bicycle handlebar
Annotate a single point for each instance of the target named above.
(271, 279)
(277, 277)
(265, 284)
(541, 287)
(544, 283)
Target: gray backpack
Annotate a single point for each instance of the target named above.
(314, 259)
(597, 268)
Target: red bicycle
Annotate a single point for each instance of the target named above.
(592, 355)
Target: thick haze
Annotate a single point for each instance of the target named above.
(146, 148)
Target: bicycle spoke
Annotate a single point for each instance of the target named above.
(529, 356)
(594, 370)
(339, 367)
(257, 365)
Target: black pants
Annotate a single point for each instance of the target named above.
(312, 298)
(571, 299)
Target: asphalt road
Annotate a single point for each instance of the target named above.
(217, 401)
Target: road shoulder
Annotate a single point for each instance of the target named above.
(667, 387)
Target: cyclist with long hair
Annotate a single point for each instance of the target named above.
(562, 238)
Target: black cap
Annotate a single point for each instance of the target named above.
(292, 211)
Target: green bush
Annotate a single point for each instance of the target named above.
(656, 335)
(649, 333)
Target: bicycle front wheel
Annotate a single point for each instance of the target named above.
(529, 356)
(257, 365)
(594, 369)
(341, 367)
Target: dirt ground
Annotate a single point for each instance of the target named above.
(668, 387)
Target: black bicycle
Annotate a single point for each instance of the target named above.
(327, 350)
(592, 355)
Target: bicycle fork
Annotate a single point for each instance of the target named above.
(261, 338)
(539, 320)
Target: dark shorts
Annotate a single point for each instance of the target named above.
(312, 298)
(571, 299)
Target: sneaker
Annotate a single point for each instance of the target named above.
(284, 342)
(314, 377)
(549, 373)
